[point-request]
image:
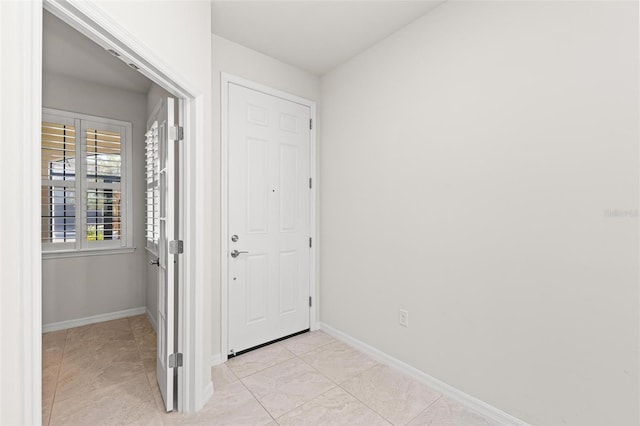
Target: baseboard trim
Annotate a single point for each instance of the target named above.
(63, 325)
(152, 320)
(207, 392)
(467, 400)
(215, 360)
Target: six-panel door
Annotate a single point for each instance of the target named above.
(269, 213)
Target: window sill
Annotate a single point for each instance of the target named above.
(82, 253)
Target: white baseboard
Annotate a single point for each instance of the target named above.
(207, 392)
(215, 360)
(152, 320)
(63, 325)
(467, 400)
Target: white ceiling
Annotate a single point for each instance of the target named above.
(69, 53)
(313, 35)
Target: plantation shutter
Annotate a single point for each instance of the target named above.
(152, 168)
(84, 190)
(58, 176)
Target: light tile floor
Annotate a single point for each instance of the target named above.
(104, 374)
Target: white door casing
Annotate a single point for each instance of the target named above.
(269, 216)
(167, 265)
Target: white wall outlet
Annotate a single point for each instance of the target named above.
(403, 319)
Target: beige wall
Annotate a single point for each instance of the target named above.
(232, 58)
(468, 164)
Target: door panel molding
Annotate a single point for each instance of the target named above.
(289, 125)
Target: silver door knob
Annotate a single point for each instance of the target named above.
(155, 261)
(236, 253)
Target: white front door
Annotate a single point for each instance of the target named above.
(167, 265)
(269, 217)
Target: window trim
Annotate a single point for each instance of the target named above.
(82, 247)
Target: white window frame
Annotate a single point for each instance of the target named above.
(81, 246)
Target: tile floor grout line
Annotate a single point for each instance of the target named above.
(281, 344)
(361, 401)
(55, 388)
(257, 400)
(262, 369)
(146, 374)
(139, 354)
(312, 399)
(314, 349)
(376, 363)
(426, 409)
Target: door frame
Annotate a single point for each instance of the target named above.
(225, 80)
(91, 21)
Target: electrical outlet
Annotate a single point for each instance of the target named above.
(404, 318)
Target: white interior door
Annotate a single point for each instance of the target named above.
(269, 218)
(167, 265)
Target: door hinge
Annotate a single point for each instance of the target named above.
(311, 124)
(310, 183)
(310, 242)
(176, 247)
(310, 301)
(176, 133)
(175, 360)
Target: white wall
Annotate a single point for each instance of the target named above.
(232, 58)
(19, 350)
(78, 287)
(468, 162)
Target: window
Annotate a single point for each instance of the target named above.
(86, 189)
(152, 168)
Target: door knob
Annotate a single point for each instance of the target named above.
(236, 253)
(155, 261)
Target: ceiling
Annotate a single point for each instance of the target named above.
(69, 53)
(313, 35)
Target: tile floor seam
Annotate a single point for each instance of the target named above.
(316, 348)
(306, 402)
(426, 409)
(55, 388)
(141, 358)
(53, 404)
(257, 400)
(297, 406)
(365, 404)
(339, 385)
(344, 380)
(262, 369)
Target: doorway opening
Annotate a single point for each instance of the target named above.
(93, 307)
